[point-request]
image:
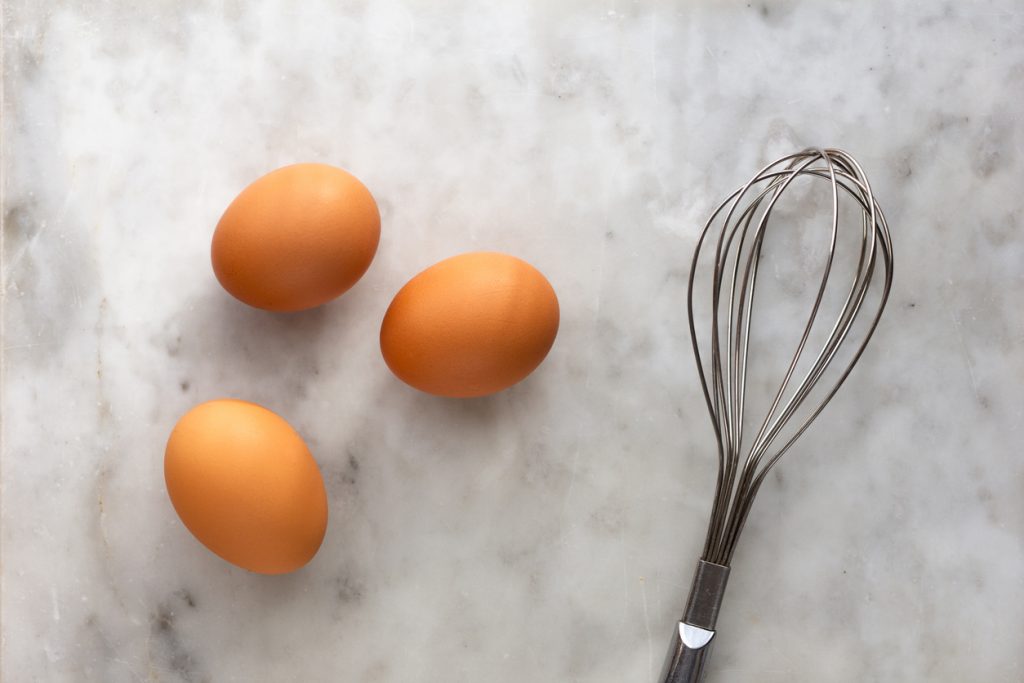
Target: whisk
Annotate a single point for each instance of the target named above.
(740, 224)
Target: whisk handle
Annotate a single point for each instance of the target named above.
(686, 656)
(691, 643)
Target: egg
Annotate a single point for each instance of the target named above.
(470, 325)
(296, 238)
(245, 484)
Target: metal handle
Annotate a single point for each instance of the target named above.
(687, 655)
(691, 644)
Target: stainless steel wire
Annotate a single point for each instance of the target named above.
(732, 240)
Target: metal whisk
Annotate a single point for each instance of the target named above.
(743, 465)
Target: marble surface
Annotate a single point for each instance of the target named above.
(547, 533)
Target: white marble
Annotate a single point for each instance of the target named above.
(547, 533)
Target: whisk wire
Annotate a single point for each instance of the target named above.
(748, 213)
(752, 266)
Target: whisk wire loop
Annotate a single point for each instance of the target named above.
(739, 226)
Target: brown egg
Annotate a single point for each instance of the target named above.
(245, 485)
(296, 238)
(471, 325)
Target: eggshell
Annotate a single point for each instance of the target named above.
(245, 484)
(471, 325)
(296, 238)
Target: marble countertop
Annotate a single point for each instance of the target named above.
(548, 533)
